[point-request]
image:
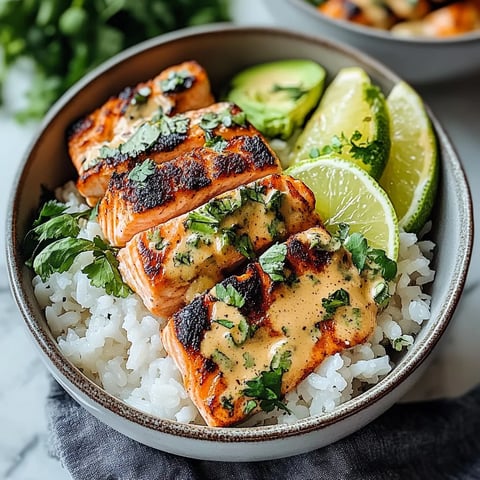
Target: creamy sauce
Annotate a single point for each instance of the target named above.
(201, 257)
(292, 323)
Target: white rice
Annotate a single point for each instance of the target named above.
(116, 341)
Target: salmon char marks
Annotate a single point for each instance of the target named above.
(259, 334)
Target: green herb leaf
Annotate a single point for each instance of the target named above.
(249, 406)
(222, 360)
(248, 360)
(229, 295)
(59, 256)
(103, 273)
(267, 389)
(381, 294)
(217, 143)
(282, 360)
(141, 172)
(141, 96)
(225, 323)
(182, 258)
(51, 224)
(357, 245)
(244, 245)
(272, 262)
(387, 266)
(177, 81)
(403, 341)
(337, 299)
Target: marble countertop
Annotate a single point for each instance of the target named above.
(24, 434)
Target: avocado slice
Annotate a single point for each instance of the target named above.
(277, 96)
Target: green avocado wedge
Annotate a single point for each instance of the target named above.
(277, 96)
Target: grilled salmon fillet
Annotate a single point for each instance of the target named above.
(168, 264)
(176, 89)
(163, 138)
(163, 191)
(270, 327)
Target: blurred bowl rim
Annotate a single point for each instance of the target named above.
(379, 34)
(60, 366)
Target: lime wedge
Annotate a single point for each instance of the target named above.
(350, 121)
(345, 193)
(411, 175)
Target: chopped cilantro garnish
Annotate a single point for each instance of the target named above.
(102, 272)
(225, 323)
(337, 299)
(141, 172)
(155, 237)
(229, 295)
(147, 134)
(182, 258)
(273, 262)
(248, 360)
(177, 81)
(267, 387)
(141, 96)
(216, 142)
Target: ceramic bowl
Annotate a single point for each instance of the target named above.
(417, 60)
(223, 50)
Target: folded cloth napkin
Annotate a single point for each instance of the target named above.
(435, 440)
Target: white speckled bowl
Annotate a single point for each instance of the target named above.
(417, 60)
(223, 50)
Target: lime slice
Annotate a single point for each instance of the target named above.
(411, 175)
(350, 121)
(344, 193)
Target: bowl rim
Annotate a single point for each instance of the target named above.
(384, 35)
(100, 398)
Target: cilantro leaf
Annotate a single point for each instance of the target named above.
(51, 208)
(51, 224)
(357, 245)
(59, 256)
(267, 387)
(216, 142)
(229, 295)
(140, 172)
(337, 299)
(102, 272)
(272, 262)
(387, 266)
(225, 323)
(177, 81)
(282, 360)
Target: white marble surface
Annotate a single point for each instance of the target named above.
(24, 434)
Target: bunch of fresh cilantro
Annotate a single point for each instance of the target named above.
(67, 38)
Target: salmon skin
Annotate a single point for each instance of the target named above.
(176, 89)
(253, 337)
(169, 264)
(154, 193)
(164, 138)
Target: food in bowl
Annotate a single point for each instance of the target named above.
(422, 18)
(84, 283)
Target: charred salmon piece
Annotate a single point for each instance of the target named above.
(170, 263)
(162, 138)
(151, 193)
(269, 327)
(176, 89)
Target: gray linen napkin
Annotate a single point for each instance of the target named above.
(436, 440)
